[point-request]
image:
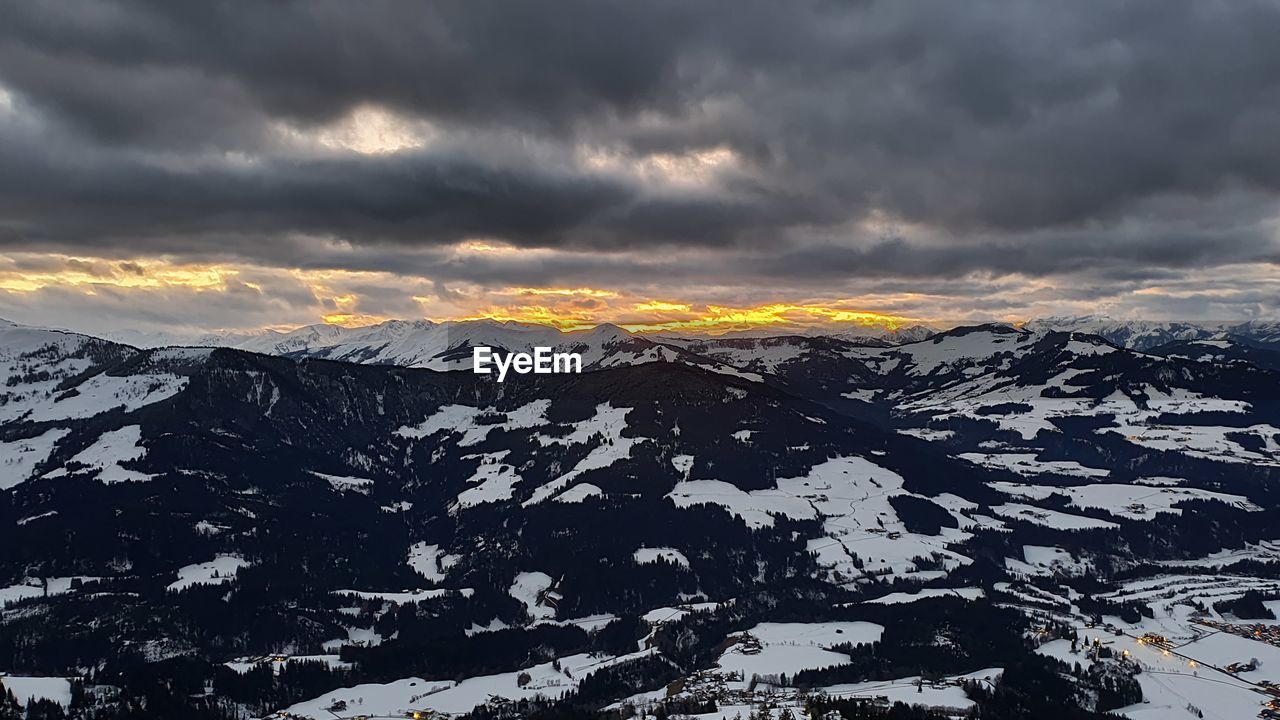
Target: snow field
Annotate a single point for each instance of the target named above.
(344, 483)
(19, 458)
(405, 596)
(395, 699)
(1050, 518)
(108, 452)
(645, 556)
(217, 571)
(851, 494)
(608, 422)
(1135, 502)
(34, 588)
(531, 589)
(1047, 561)
(27, 688)
(493, 481)
(899, 598)
(791, 647)
(430, 561)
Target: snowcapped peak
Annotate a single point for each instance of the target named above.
(1147, 334)
(910, 333)
(606, 331)
(424, 343)
(397, 328)
(1068, 320)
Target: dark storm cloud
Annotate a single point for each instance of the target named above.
(544, 64)
(418, 197)
(1148, 254)
(1034, 137)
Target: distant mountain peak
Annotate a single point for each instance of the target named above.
(1147, 334)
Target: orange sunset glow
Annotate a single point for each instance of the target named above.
(662, 316)
(340, 297)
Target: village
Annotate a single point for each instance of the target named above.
(1262, 632)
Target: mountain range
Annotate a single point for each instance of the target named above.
(413, 343)
(348, 522)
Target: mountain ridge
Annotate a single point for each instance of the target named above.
(196, 514)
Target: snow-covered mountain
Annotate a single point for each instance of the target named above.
(444, 345)
(327, 524)
(896, 336)
(856, 334)
(441, 345)
(419, 343)
(1231, 349)
(1144, 335)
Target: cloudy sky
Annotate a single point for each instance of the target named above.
(195, 166)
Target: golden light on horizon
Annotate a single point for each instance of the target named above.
(537, 315)
(346, 313)
(715, 319)
(352, 320)
(725, 319)
(132, 274)
(661, 306)
(364, 297)
(568, 292)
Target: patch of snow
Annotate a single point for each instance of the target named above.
(27, 688)
(343, 483)
(579, 492)
(493, 625)
(607, 423)
(929, 434)
(1027, 464)
(917, 692)
(531, 589)
(899, 598)
(791, 647)
(401, 697)
(406, 596)
(661, 615)
(644, 556)
(1135, 502)
(430, 561)
(1050, 518)
(217, 571)
(851, 497)
(106, 455)
(683, 464)
(493, 481)
(1045, 560)
(19, 458)
(35, 587)
(463, 419)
